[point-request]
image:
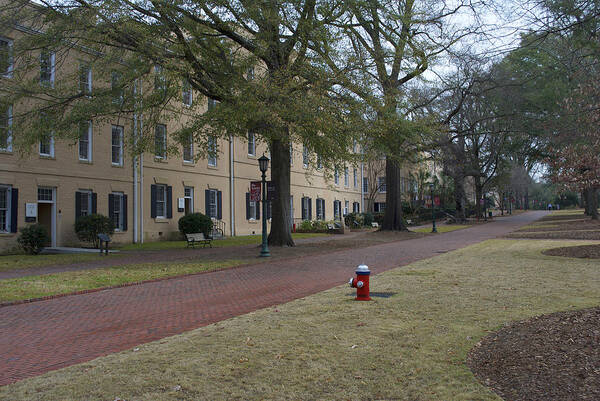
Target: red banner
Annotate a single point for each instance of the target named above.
(255, 191)
(436, 200)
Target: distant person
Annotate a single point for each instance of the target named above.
(549, 206)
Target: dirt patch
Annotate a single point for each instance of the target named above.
(589, 235)
(564, 226)
(549, 357)
(583, 251)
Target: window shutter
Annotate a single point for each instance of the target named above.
(153, 201)
(247, 205)
(303, 209)
(258, 209)
(14, 209)
(77, 205)
(207, 202)
(94, 203)
(111, 207)
(124, 212)
(309, 200)
(169, 202)
(219, 206)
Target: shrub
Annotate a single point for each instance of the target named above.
(195, 223)
(319, 225)
(87, 228)
(367, 219)
(378, 217)
(306, 226)
(33, 238)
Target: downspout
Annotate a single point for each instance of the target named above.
(135, 181)
(231, 188)
(362, 187)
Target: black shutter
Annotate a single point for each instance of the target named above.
(309, 200)
(169, 202)
(111, 207)
(247, 205)
(207, 202)
(303, 210)
(124, 212)
(219, 206)
(77, 205)
(94, 203)
(153, 201)
(323, 209)
(14, 209)
(258, 208)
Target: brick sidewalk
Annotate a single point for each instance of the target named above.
(43, 336)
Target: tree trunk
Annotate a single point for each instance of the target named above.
(585, 200)
(281, 219)
(478, 196)
(392, 219)
(592, 203)
(460, 198)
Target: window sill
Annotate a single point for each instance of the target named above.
(117, 165)
(253, 221)
(213, 167)
(6, 152)
(161, 220)
(160, 159)
(252, 156)
(2, 234)
(47, 157)
(188, 164)
(120, 232)
(85, 161)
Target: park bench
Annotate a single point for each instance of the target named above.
(374, 224)
(198, 238)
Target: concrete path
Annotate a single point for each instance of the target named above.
(42, 336)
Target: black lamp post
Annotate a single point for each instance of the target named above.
(263, 165)
(433, 228)
(485, 214)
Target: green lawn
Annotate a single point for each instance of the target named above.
(10, 262)
(410, 346)
(226, 242)
(441, 228)
(67, 282)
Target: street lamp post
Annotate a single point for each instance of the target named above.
(485, 213)
(263, 164)
(433, 228)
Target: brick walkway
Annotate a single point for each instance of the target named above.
(43, 336)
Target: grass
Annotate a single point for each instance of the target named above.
(67, 282)
(411, 346)
(10, 262)
(226, 242)
(441, 228)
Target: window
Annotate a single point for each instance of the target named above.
(291, 153)
(188, 149)
(336, 176)
(85, 79)
(251, 144)
(252, 208)
(161, 201)
(306, 208)
(160, 81)
(5, 206)
(354, 146)
(47, 68)
(117, 210)
(160, 141)
(116, 88)
(85, 141)
(250, 74)
(337, 205)
(379, 207)
(47, 145)
(346, 207)
(212, 203)
(45, 194)
(305, 156)
(319, 162)
(187, 93)
(320, 209)
(365, 185)
(355, 171)
(355, 207)
(188, 196)
(346, 177)
(84, 203)
(117, 145)
(381, 184)
(6, 129)
(6, 57)
(212, 103)
(212, 151)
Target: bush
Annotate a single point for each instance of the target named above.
(354, 220)
(87, 228)
(378, 218)
(367, 219)
(195, 223)
(33, 238)
(306, 226)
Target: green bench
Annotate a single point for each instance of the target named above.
(198, 238)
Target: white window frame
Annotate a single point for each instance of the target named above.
(190, 149)
(160, 135)
(163, 201)
(9, 71)
(160, 81)
(52, 62)
(189, 196)
(381, 186)
(212, 103)
(212, 148)
(212, 204)
(118, 200)
(187, 95)
(253, 210)
(305, 208)
(320, 209)
(9, 117)
(250, 74)
(85, 87)
(336, 176)
(7, 209)
(251, 144)
(88, 204)
(89, 142)
(50, 152)
(346, 177)
(117, 92)
(365, 184)
(119, 145)
(305, 156)
(346, 207)
(355, 172)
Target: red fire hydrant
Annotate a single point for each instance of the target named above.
(361, 283)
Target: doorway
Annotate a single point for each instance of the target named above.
(47, 212)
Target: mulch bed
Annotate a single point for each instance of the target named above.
(560, 226)
(582, 251)
(589, 235)
(550, 357)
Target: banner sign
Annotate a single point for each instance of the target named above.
(271, 191)
(255, 191)
(436, 200)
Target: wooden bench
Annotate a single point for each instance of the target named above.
(198, 238)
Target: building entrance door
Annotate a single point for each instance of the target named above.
(47, 212)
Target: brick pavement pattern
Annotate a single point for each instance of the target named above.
(47, 335)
